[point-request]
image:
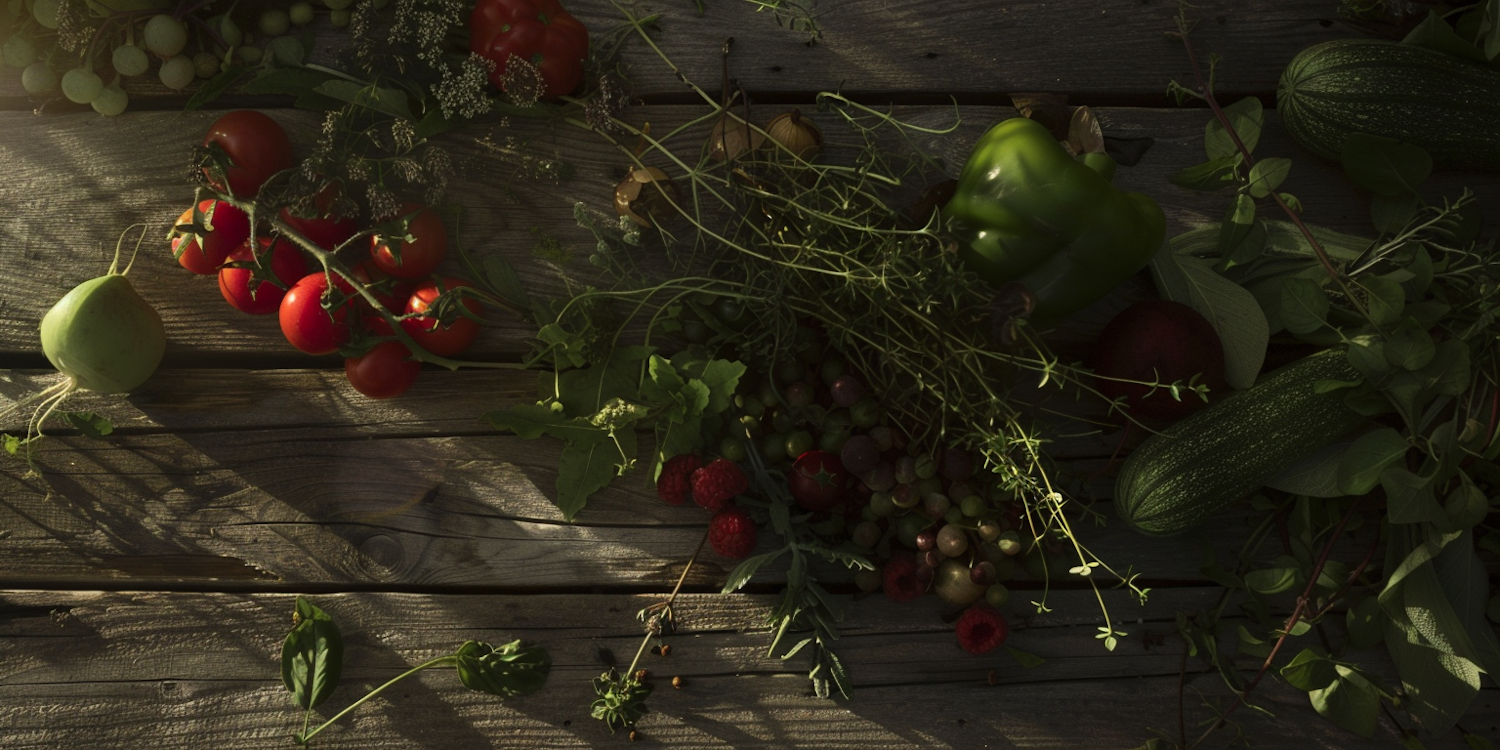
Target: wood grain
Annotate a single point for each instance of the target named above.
(1109, 51)
(201, 670)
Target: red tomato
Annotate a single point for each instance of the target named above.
(304, 320)
(383, 372)
(227, 227)
(419, 257)
(320, 223)
(256, 148)
(817, 480)
(538, 31)
(442, 340)
(287, 265)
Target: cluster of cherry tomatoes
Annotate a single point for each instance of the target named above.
(323, 310)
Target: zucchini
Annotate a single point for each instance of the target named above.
(1180, 478)
(1448, 106)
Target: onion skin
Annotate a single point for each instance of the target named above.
(104, 336)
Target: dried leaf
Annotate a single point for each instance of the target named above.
(1050, 110)
(1084, 134)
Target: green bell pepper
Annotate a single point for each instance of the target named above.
(1025, 210)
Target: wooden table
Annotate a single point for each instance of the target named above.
(146, 581)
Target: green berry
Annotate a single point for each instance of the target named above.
(205, 65)
(165, 36)
(18, 52)
(973, 506)
(798, 443)
(46, 13)
(81, 85)
(882, 504)
(996, 595)
(249, 54)
(38, 79)
(111, 101)
(732, 449)
(773, 447)
(129, 60)
(177, 72)
(300, 14)
(274, 22)
(338, 4)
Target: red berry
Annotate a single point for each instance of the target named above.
(818, 480)
(715, 484)
(732, 532)
(672, 485)
(981, 628)
(900, 579)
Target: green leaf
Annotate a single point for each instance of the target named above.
(1237, 223)
(1369, 359)
(1025, 659)
(286, 82)
(1208, 176)
(1271, 580)
(746, 570)
(90, 424)
(1246, 117)
(312, 656)
(1371, 453)
(696, 396)
(1304, 307)
(1316, 475)
(1350, 702)
(586, 468)
(1409, 498)
(215, 87)
(1410, 347)
(1385, 302)
(507, 671)
(1365, 623)
(1309, 670)
(1267, 175)
(722, 378)
(1384, 166)
(287, 51)
(387, 101)
(583, 392)
(1292, 202)
(1448, 372)
(1466, 505)
(1391, 213)
(1233, 311)
(1435, 34)
(1489, 37)
(1465, 583)
(1439, 687)
(505, 282)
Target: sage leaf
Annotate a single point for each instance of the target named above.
(1410, 347)
(312, 656)
(1434, 33)
(1448, 372)
(215, 87)
(1234, 312)
(507, 671)
(1267, 175)
(1268, 581)
(1384, 166)
(1304, 307)
(1365, 624)
(1371, 453)
(1316, 475)
(1208, 176)
(1466, 506)
(1391, 213)
(1465, 583)
(1409, 498)
(1246, 116)
(1309, 670)
(1350, 702)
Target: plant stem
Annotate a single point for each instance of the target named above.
(666, 606)
(438, 662)
(1291, 622)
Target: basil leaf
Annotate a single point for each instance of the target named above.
(1435, 34)
(1267, 175)
(312, 656)
(1361, 466)
(507, 671)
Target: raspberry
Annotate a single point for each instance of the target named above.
(672, 485)
(981, 628)
(716, 483)
(900, 578)
(732, 532)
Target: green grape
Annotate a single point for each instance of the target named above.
(165, 36)
(19, 51)
(111, 101)
(274, 22)
(300, 14)
(38, 79)
(228, 30)
(81, 85)
(338, 4)
(249, 54)
(46, 11)
(177, 72)
(339, 17)
(130, 60)
(205, 65)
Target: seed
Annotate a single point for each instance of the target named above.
(678, 682)
(665, 649)
(993, 679)
(641, 675)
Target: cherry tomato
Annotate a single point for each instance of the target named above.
(227, 227)
(304, 320)
(287, 265)
(442, 340)
(320, 223)
(420, 256)
(383, 372)
(256, 148)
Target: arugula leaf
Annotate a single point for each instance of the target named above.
(90, 424)
(586, 468)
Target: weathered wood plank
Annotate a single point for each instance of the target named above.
(77, 181)
(132, 670)
(937, 49)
